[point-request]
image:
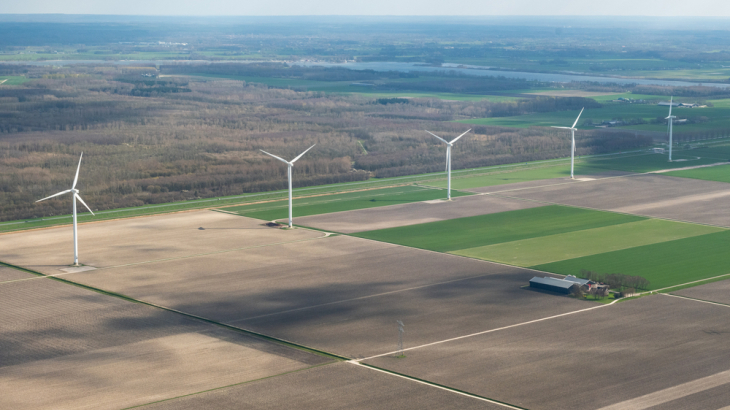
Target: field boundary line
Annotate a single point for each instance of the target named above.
(672, 393)
(558, 184)
(487, 331)
(436, 385)
(360, 298)
(326, 235)
(461, 256)
(497, 194)
(663, 171)
(696, 300)
(284, 206)
(225, 387)
(180, 312)
(688, 283)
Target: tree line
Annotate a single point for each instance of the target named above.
(167, 147)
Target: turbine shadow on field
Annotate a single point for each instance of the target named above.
(278, 305)
(53, 324)
(72, 321)
(358, 319)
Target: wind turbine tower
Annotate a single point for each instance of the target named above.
(670, 120)
(289, 165)
(572, 145)
(75, 197)
(448, 159)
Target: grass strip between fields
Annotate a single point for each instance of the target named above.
(261, 197)
(323, 204)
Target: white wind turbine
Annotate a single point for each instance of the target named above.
(76, 196)
(448, 158)
(670, 120)
(289, 164)
(572, 145)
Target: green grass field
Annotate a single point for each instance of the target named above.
(498, 177)
(630, 67)
(641, 162)
(575, 244)
(316, 205)
(12, 80)
(719, 117)
(585, 166)
(720, 173)
(719, 151)
(344, 87)
(464, 233)
(663, 264)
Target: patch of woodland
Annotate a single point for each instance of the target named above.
(172, 146)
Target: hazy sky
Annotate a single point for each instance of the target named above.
(714, 8)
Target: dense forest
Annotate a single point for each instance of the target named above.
(151, 140)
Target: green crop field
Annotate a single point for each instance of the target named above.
(720, 173)
(663, 264)
(324, 204)
(471, 232)
(575, 244)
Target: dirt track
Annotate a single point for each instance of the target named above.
(618, 353)
(332, 387)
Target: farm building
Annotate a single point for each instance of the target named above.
(553, 284)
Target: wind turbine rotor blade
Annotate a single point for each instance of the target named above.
(444, 141)
(576, 120)
(82, 201)
(300, 155)
(562, 128)
(49, 197)
(272, 155)
(454, 140)
(76, 178)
